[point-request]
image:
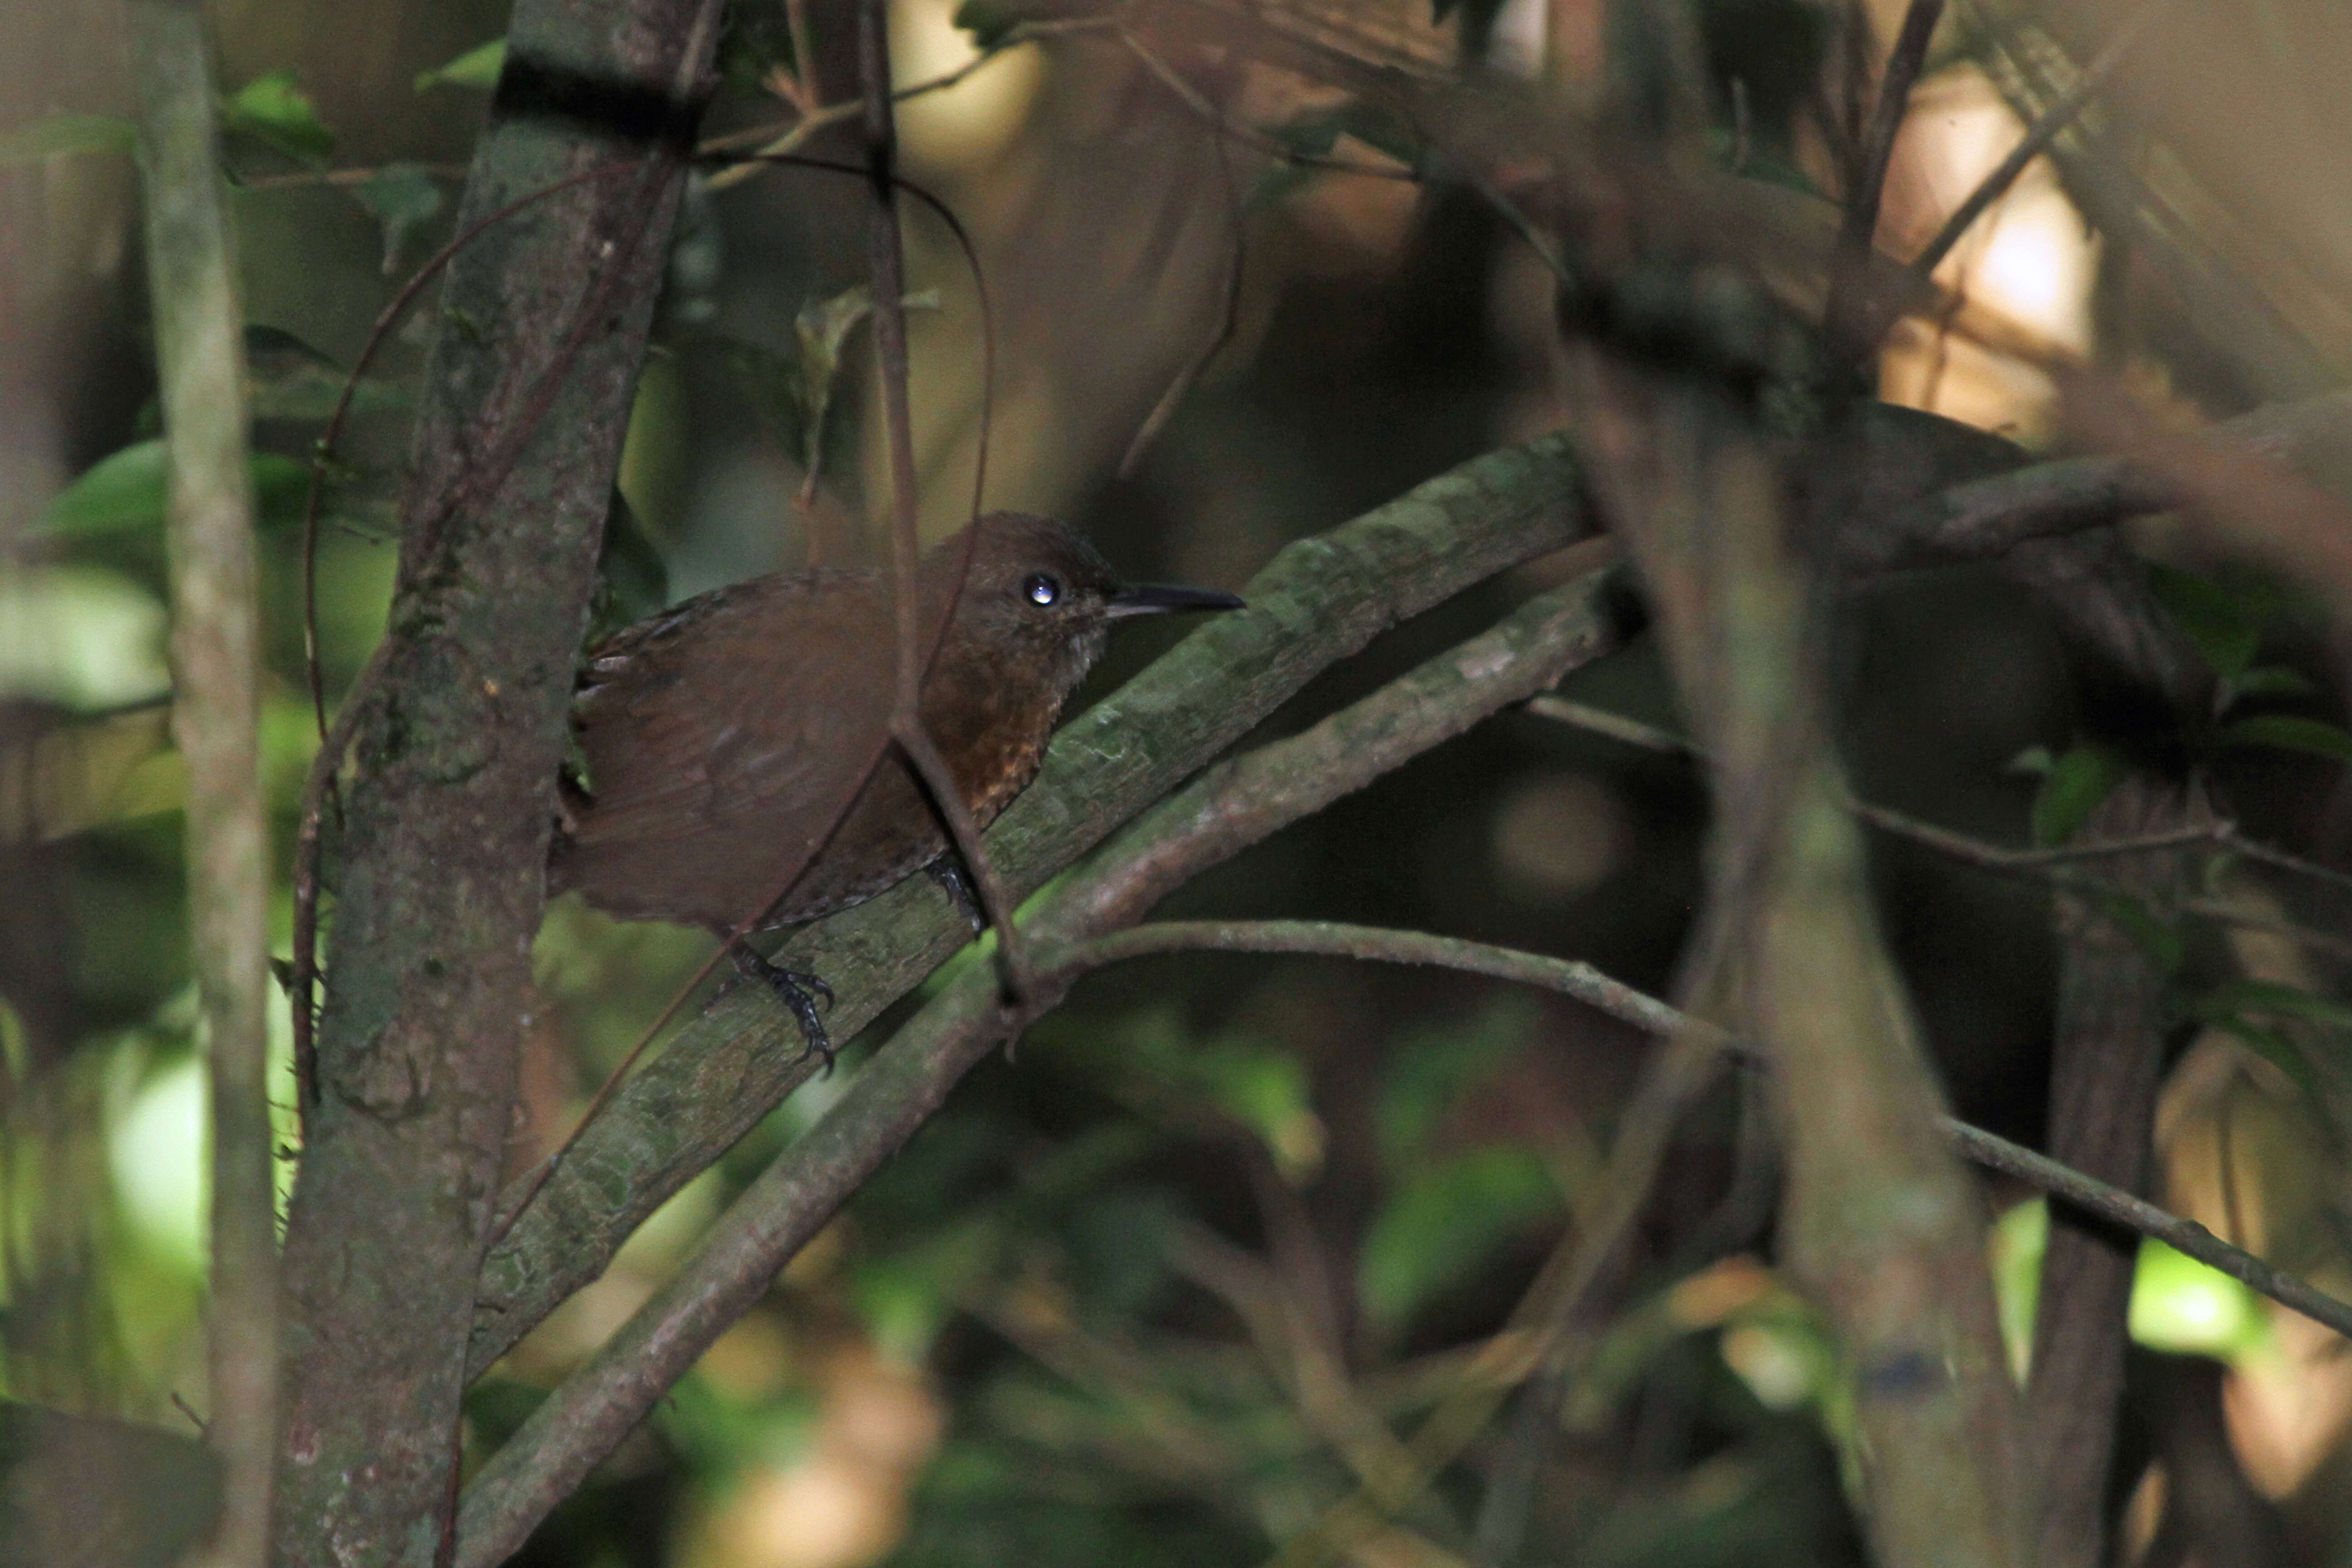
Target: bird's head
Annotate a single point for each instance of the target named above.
(1037, 593)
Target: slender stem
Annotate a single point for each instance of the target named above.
(216, 635)
(1622, 1001)
(1959, 845)
(2183, 1235)
(1330, 939)
(886, 255)
(301, 179)
(1904, 64)
(1249, 136)
(1994, 857)
(1851, 317)
(772, 141)
(1229, 321)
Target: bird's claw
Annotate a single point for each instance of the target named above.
(799, 993)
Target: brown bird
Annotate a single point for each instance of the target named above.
(722, 739)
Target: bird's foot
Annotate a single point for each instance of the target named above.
(948, 872)
(798, 991)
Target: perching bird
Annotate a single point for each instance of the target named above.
(724, 739)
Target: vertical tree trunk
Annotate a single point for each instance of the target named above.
(448, 817)
(1882, 1227)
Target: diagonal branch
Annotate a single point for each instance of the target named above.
(1319, 601)
(1851, 320)
(1231, 807)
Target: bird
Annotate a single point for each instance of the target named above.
(731, 766)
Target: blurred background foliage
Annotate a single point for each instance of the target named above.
(1158, 1288)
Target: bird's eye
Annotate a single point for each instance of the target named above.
(1042, 588)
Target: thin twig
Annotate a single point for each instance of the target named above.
(2231, 839)
(1228, 323)
(1317, 1381)
(806, 92)
(1569, 977)
(2037, 140)
(886, 257)
(772, 141)
(1995, 857)
(2183, 1235)
(1904, 63)
(1249, 136)
(303, 178)
(1959, 845)
(1848, 319)
(1504, 207)
(1624, 1003)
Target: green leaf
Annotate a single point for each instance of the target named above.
(1265, 1089)
(1438, 1228)
(477, 68)
(60, 135)
(2273, 997)
(989, 24)
(2216, 620)
(2159, 940)
(79, 637)
(2266, 681)
(2288, 733)
(1428, 1075)
(822, 328)
(286, 378)
(2275, 1047)
(2035, 761)
(125, 490)
(1761, 166)
(2020, 1241)
(2181, 1306)
(2072, 790)
(270, 109)
(632, 578)
(401, 198)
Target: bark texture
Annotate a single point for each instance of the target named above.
(447, 818)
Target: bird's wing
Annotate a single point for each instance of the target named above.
(712, 720)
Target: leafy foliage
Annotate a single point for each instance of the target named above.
(2072, 785)
(127, 491)
(62, 135)
(272, 110)
(477, 68)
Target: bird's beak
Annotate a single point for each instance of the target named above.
(1161, 598)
